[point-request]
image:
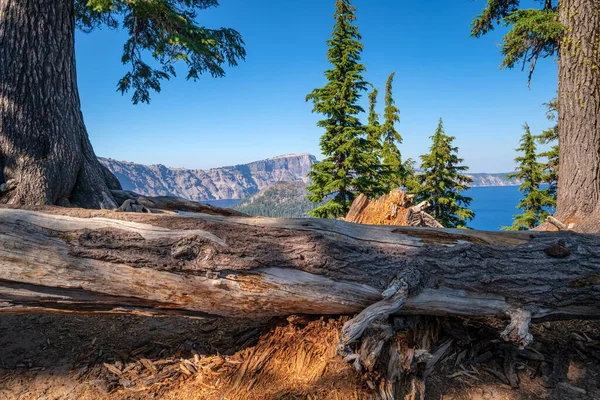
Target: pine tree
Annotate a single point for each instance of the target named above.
(550, 137)
(536, 201)
(566, 30)
(44, 144)
(374, 131)
(398, 173)
(443, 182)
(348, 165)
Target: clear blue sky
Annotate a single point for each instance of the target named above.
(258, 110)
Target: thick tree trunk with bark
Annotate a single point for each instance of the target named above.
(247, 267)
(44, 147)
(579, 116)
(398, 279)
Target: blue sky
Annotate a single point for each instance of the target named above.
(258, 110)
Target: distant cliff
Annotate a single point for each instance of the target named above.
(235, 182)
(500, 179)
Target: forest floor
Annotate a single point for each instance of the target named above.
(135, 357)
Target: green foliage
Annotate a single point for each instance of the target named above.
(349, 165)
(533, 33)
(374, 127)
(536, 201)
(374, 131)
(550, 137)
(280, 200)
(443, 182)
(399, 173)
(166, 32)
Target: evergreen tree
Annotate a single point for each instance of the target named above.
(374, 127)
(398, 173)
(443, 182)
(550, 137)
(44, 144)
(536, 201)
(567, 29)
(348, 166)
(374, 131)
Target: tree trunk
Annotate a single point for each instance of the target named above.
(393, 277)
(579, 115)
(44, 146)
(247, 267)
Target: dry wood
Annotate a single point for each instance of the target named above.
(243, 267)
(395, 208)
(557, 223)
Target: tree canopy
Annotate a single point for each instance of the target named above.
(162, 33)
(533, 32)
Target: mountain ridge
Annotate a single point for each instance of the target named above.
(236, 181)
(230, 182)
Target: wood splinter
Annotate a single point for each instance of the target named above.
(560, 225)
(517, 330)
(353, 330)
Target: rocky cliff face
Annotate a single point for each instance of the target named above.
(501, 179)
(236, 182)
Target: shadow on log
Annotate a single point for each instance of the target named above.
(82, 261)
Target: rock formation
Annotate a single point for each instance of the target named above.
(235, 182)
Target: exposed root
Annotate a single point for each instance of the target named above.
(169, 204)
(517, 330)
(132, 205)
(354, 329)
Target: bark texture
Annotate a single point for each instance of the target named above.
(246, 267)
(44, 146)
(579, 116)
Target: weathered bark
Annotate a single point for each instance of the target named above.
(246, 267)
(579, 116)
(255, 267)
(44, 144)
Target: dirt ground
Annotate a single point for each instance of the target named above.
(132, 357)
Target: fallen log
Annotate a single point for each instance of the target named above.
(57, 260)
(255, 267)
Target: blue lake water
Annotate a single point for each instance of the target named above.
(494, 206)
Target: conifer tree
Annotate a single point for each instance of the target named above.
(550, 137)
(348, 165)
(398, 173)
(374, 127)
(536, 201)
(443, 182)
(374, 131)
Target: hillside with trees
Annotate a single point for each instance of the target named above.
(280, 200)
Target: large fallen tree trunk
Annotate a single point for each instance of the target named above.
(64, 261)
(245, 267)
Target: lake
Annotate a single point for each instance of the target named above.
(494, 206)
